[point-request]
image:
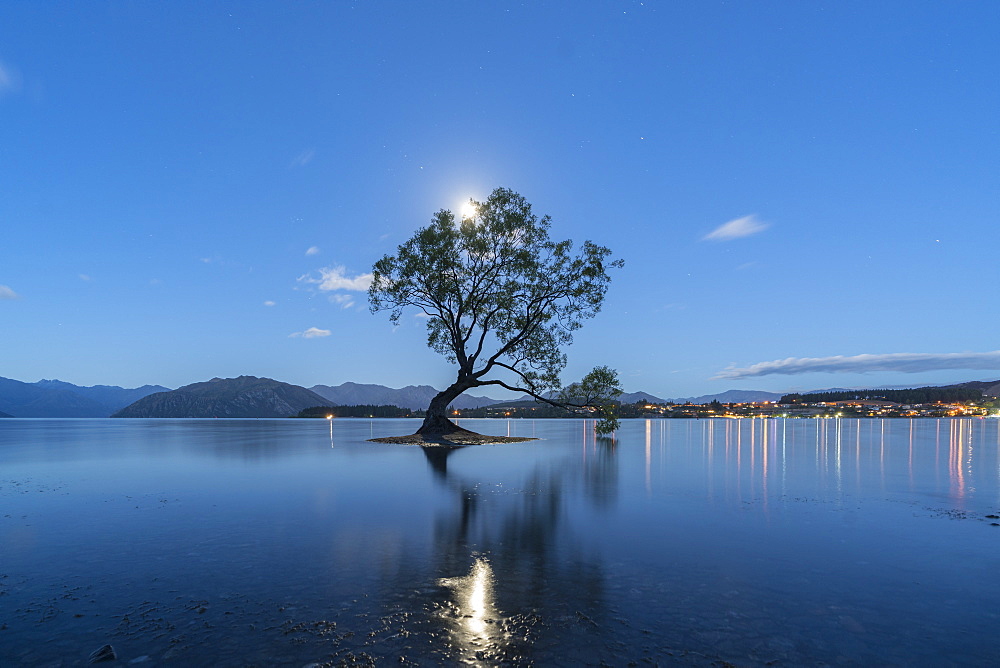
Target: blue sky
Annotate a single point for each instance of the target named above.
(193, 190)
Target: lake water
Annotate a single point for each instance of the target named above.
(682, 542)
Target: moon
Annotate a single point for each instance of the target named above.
(468, 210)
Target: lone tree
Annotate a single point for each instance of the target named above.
(501, 299)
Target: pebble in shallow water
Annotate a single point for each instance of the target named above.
(106, 653)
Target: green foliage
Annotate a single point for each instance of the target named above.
(599, 388)
(608, 422)
(500, 297)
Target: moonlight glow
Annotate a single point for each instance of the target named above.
(468, 210)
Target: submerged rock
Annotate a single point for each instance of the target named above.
(457, 438)
(106, 653)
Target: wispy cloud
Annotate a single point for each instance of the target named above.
(8, 79)
(736, 229)
(345, 301)
(671, 306)
(85, 277)
(269, 303)
(336, 278)
(7, 293)
(312, 250)
(311, 333)
(898, 362)
(303, 158)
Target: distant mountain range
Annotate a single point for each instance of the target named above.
(625, 398)
(414, 397)
(732, 397)
(248, 396)
(243, 397)
(54, 398)
(633, 397)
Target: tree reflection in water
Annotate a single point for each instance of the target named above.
(516, 585)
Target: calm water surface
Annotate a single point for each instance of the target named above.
(682, 542)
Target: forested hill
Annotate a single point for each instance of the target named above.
(243, 397)
(918, 395)
(356, 411)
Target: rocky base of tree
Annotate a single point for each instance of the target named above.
(460, 437)
(439, 430)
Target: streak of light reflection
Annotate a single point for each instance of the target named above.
(477, 626)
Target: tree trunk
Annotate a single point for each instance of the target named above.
(437, 422)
